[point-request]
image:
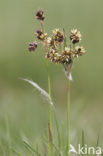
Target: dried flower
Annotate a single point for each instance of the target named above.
(79, 51)
(58, 35)
(40, 35)
(32, 46)
(40, 15)
(66, 56)
(53, 56)
(75, 36)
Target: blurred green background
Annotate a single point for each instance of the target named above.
(21, 107)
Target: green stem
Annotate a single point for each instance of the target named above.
(68, 119)
(50, 116)
(50, 106)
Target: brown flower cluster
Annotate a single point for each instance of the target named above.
(41, 35)
(56, 47)
(40, 15)
(59, 51)
(32, 46)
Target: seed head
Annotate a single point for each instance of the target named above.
(58, 35)
(53, 56)
(75, 36)
(57, 48)
(40, 35)
(66, 56)
(32, 46)
(40, 15)
(79, 51)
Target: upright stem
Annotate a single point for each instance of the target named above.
(50, 117)
(50, 106)
(68, 118)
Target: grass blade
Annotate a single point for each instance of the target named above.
(57, 150)
(83, 144)
(42, 91)
(32, 150)
(17, 153)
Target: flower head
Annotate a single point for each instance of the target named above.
(75, 36)
(66, 56)
(40, 35)
(40, 15)
(51, 42)
(53, 56)
(79, 51)
(32, 46)
(58, 35)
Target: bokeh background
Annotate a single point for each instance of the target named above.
(23, 112)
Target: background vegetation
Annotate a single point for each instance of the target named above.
(23, 112)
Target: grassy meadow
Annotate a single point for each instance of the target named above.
(23, 111)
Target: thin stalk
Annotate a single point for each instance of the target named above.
(50, 117)
(50, 106)
(42, 26)
(68, 105)
(68, 118)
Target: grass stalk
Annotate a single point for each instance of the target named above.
(50, 106)
(14, 151)
(32, 150)
(50, 101)
(50, 116)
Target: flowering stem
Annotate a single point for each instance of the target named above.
(68, 118)
(50, 117)
(50, 106)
